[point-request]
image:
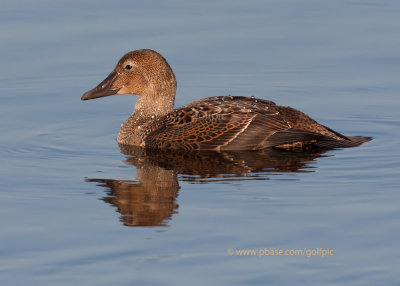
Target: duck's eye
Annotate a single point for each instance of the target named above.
(128, 67)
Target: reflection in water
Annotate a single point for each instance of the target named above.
(151, 199)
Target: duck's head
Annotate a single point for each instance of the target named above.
(143, 72)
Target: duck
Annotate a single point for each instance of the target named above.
(219, 123)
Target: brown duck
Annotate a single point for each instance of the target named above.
(214, 123)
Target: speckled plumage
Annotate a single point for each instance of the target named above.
(214, 123)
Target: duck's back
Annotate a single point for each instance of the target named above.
(240, 123)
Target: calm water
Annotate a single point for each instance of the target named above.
(77, 210)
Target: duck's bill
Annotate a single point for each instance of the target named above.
(105, 88)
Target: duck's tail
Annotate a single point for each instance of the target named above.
(300, 140)
(352, 141)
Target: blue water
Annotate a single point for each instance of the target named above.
(76, 210)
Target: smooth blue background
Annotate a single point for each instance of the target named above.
(338, 61)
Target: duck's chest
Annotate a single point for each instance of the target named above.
(134, 131)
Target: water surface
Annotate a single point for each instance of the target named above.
(77, 209)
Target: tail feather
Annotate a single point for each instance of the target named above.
(300, 139)
(353, 141)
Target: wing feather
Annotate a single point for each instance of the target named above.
(241, 123)
(218, 123)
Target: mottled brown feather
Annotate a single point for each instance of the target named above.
(241, 123)
(217, 123)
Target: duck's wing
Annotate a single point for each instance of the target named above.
(306, 132)
(242, 123)
(218, 123)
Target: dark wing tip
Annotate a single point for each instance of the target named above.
(353, 141)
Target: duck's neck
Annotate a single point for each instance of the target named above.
(149, 107)
(154, 106)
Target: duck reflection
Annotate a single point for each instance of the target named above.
(150, 200)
